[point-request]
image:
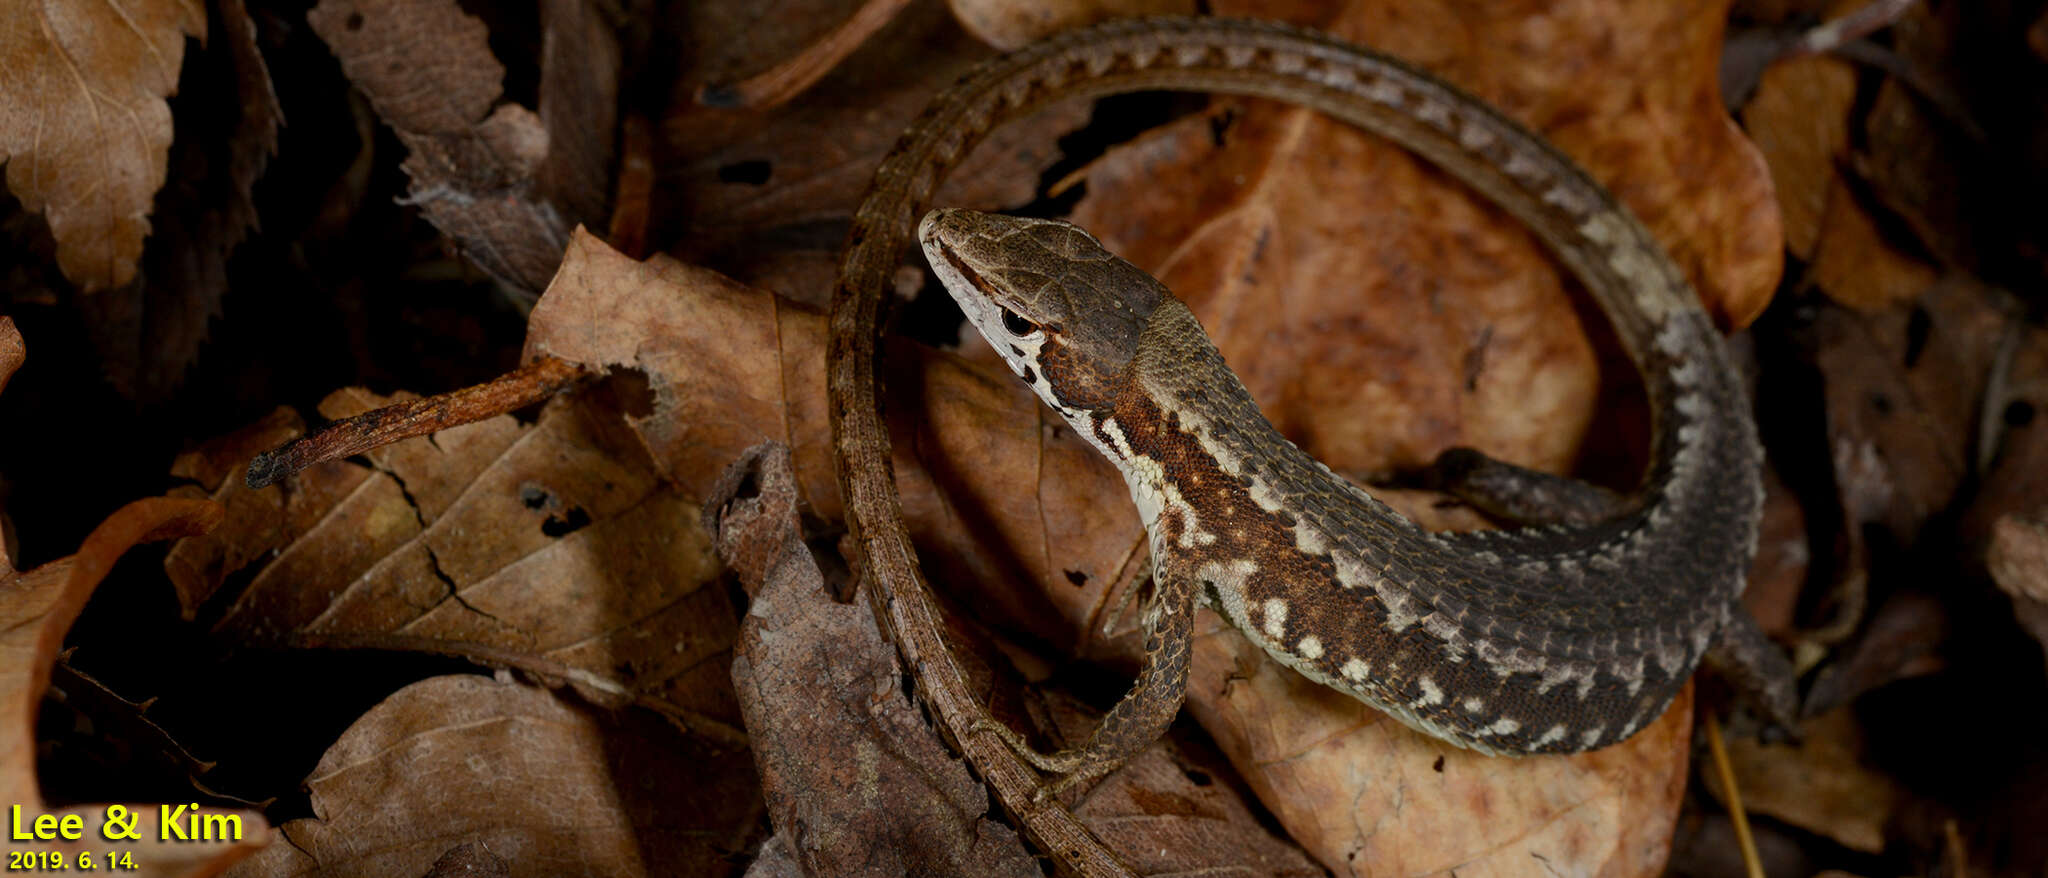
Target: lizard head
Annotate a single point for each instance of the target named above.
(1065, 313)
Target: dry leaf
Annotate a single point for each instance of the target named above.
(857, 783)
(1799, 119)
(579, 92)
(768, 196)
(1856, 264)
(1915, 161)
(427, 67)
(149, 331)
(1820, 785)
(84, 129)
(2012, 435)
(2018, 559)
(1902, 387)
(553, 547)
(1008, 25)
(37, 607)
(12, 351)
(1166, 814)
(549, 787)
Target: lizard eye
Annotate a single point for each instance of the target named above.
(1016, 324)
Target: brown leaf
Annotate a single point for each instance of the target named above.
(1857, 264)
(37, 607)
(149, 332)
(2012, 434)
(1381, 351)
(2018, 560)
(470, 860)
(1820, 785)
(847, 764)
(767, 196)
(428, 70)
(1902, 386)
(554, 547)
(12, 351)
(1799, 119)
(550, 787)
(579, 92)
(1166, 814)
(84, 129)
(1008, 26)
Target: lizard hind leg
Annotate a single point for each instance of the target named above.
(1518, 494)
(1144, 713)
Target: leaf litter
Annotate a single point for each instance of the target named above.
(1378, 312)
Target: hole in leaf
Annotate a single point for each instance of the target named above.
(566, 523)
(752, 172)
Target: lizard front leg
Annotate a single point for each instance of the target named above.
(1144, 713)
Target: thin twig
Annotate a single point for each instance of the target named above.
(777, 85)
(531, 383)
(1750, 860)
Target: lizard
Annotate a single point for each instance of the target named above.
(1552, 639)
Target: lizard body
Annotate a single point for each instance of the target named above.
(1550, 639)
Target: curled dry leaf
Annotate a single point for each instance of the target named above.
(37, 607)
(554, 547)
(547, 786)
(857, 783)
(84, 129)
(482, 171)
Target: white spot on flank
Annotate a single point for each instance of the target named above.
(1555, 734)
(1310, 647)
(1592, 736)
(1430, 694)
(1275, 621)
(1525, 170)
(1340, 77)
(1399, 616)
(1552, 676)
(1384, 91)
(1356, 670)
(1474, 136)
(1474, 705)
(1504, 726)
